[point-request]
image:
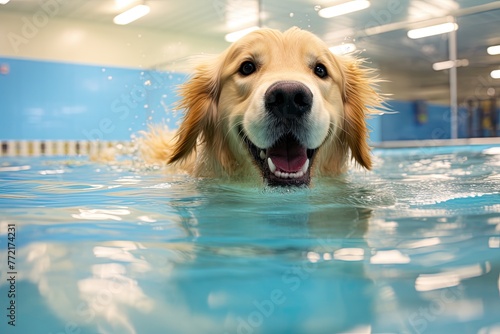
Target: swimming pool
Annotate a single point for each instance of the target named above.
(411, 247)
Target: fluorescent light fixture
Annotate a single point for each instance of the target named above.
(3, 2)
(494, 50)
(495, 74)
(446, 65)
(344, 8)
(432, 30)
(131, 15)
(343, 49)
(234, 36)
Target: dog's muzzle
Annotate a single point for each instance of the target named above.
(287, 162)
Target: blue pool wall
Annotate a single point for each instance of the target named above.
(401, 122)
(42, 100)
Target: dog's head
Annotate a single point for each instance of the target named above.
(280, 104)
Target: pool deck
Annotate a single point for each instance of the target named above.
(437, 142)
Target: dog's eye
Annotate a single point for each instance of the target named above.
(320, 71)
(247, 68)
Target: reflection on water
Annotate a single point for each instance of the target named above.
(411, 247)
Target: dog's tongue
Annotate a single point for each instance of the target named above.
(288, 155)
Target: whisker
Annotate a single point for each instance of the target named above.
(228, 132)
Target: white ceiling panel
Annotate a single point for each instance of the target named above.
(391, 50)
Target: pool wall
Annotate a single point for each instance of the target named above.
(44, 100)
(62, 107)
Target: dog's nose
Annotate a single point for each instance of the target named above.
(288, 99)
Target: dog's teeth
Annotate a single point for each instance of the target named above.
(272, 167)
(305, 167)
(285, 175)
(262, 155)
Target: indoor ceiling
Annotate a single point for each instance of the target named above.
(379, 32)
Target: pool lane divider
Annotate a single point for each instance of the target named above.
(36, 148)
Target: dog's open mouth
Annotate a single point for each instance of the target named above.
(286, 163)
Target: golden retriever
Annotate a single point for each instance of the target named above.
(277, 107)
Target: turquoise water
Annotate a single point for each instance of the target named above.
(411, 247)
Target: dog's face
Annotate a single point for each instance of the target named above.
(278, 103)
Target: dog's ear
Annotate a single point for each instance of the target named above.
(199, 100)
(359, 99)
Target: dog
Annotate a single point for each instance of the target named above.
(275, 107)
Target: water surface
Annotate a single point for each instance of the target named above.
(410, 247)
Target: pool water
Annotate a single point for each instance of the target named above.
(410, 247)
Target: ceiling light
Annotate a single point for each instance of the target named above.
(344, 8)
(494, 50)
(432, 30)
(446, 65)
(234, 36)
(495, 74)
(131, 15)
(3, 2)
(343, 49)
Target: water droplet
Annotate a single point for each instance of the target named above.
(317, 8)
(146, 106)
(150, 118)
(139, 36)
(291, 14)
(110, 77)
(147, 83)
(104, 70)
